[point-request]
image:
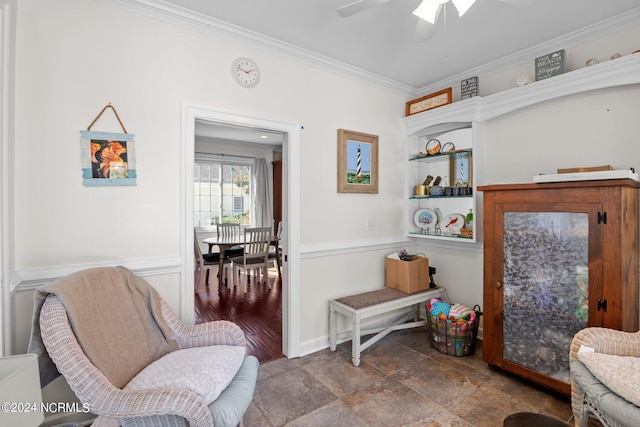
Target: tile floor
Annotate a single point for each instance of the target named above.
(401, 381)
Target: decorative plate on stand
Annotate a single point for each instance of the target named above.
(426, 219)
(452, 223)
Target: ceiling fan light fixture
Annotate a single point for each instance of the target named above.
(428, 10)
(463, 5)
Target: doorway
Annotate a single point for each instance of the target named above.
(290, 214)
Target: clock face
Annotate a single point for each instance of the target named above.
(245, 72)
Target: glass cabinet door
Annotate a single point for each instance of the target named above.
(545, 288)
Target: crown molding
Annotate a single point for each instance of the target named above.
(185, 18)
(195, 21)
(619, 72)
(615, 24)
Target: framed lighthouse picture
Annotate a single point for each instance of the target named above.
(357, 162)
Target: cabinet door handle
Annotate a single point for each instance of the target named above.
(602, 304)
(498, 284)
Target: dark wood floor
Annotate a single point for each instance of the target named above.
(258, 313)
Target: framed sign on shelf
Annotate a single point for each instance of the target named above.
(461, 169)
(433, 100)
(357, 162)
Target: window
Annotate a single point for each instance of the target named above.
(222, 192)
(238, 203)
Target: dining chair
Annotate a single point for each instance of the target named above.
(275, 250)
(205, 262)
(230, 230)
(256, 252)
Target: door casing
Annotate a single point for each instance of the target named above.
(290, 213)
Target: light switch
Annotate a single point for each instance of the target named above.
(370, 224)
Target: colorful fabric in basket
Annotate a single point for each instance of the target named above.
(440, 307)
(462, 312)
(430, 304)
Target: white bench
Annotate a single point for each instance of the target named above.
(369, 304)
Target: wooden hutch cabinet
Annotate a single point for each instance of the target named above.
(558, 257)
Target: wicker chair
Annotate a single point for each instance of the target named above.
(167, 406)
(589, 396)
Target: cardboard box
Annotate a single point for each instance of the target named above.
(407, 276)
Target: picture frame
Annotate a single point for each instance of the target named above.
(357, 162)
(469, 88)
(550, 65)
(108, 159)
(461, 169)
(433, 100)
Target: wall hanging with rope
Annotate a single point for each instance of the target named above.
(108, 158)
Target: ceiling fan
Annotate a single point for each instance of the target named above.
(427, 10)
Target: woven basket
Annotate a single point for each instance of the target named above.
(452, 337)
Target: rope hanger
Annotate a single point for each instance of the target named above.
(100, 114)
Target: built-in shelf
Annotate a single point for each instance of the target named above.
(429, 157)
(437, 208)
(475, 112)
(441, 197)
(439, 236)
(616, 72)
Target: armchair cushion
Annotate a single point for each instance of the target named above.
(621, 374)
(206, 371)
(601, 399)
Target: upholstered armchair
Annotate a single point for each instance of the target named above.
(605, 367)
(131, 361)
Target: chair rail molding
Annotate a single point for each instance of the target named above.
(343, 247)
(336, 248)
(29, 279)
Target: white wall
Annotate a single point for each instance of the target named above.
(74, 56)
(591, 129)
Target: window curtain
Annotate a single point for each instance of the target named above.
(264, 195)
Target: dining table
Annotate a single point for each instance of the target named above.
(224, 243)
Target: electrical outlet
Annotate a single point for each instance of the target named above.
(370, 224)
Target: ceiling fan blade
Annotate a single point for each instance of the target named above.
(423, 32)
(357, 7)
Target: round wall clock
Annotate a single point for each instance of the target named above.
(245, 72)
